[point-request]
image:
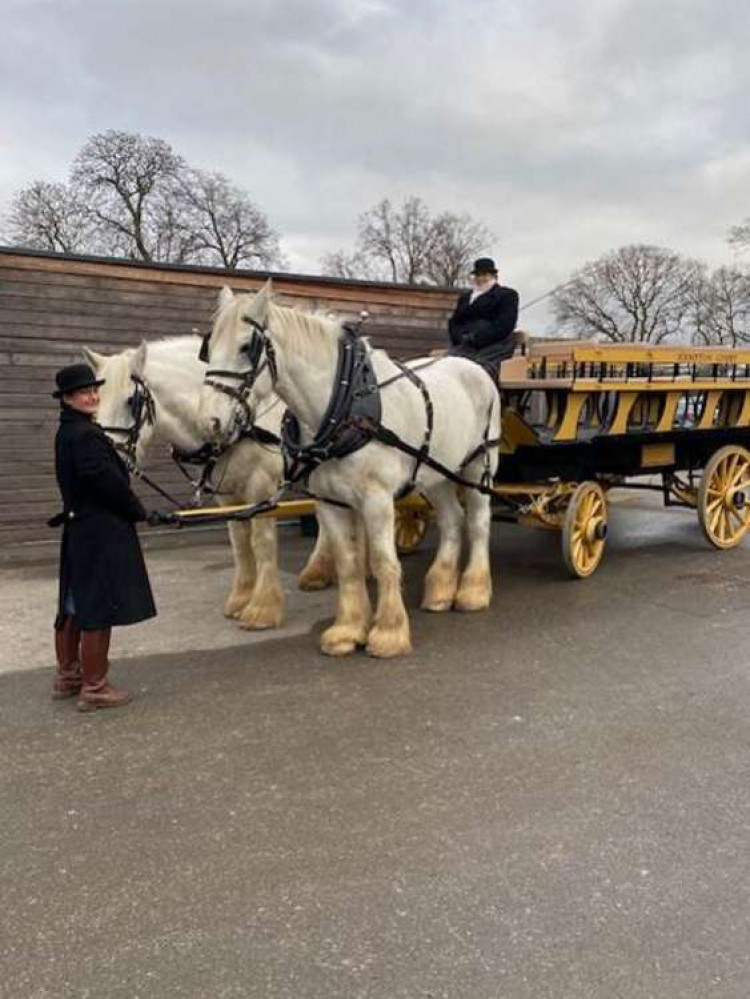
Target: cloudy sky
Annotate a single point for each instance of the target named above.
(568, 128)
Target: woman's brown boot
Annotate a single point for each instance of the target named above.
(96, 692)
(68, 679)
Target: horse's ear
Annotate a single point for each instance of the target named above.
(262, 300)
(138, 360)
(91, 357)
(226, 295)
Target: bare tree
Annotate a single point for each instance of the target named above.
(128, 181)
(225, 226)
(46, 216)
(409, 245)
(721, 308)
(637, 294)
(353, 266)
(457, 240)
(739, 235)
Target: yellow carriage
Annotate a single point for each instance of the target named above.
(580, 419)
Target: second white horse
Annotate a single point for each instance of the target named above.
(170, 373)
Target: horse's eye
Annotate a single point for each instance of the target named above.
(203, 352)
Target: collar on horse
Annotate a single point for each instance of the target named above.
(355, 395)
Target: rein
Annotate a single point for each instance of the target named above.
(208, 456)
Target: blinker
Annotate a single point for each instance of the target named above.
(203, 352)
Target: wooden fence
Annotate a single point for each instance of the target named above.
(51, 306)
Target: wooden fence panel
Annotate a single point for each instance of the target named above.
(51, 306)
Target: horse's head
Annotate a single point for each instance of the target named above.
(126, 408)
(241, 364)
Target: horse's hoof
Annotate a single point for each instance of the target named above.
(337, 647)
(440, 589)
(235, 605)
(318, 574)
(384, 644)
(261, 618)
(437, 606)
(473, 598)
(312, 581)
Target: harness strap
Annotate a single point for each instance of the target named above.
(401, 374)
(208, 456)
(381, 433)
(424, 450)
(152, 485)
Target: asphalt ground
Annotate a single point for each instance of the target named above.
(551, 799)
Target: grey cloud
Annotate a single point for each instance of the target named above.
(566, 128)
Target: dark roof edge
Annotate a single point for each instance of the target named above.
(86, 258)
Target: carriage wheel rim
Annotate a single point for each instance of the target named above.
(411, 527)
(727, 515)
(589, 531)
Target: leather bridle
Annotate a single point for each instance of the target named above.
(260, 355)
(143, 410)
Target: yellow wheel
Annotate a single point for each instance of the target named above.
(585, 529)
(411, 526)
(724, 497)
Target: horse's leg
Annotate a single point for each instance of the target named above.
(320, 570)
(390, 634)
(266, 606)
(441, 582)
(244, 569)
(344, 531)
(475, 588)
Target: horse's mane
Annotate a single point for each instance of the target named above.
(305, 334)
(169, 351)
(187, 343)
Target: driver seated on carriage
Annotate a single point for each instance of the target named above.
(483, 323)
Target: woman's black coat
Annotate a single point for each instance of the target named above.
(100, 560)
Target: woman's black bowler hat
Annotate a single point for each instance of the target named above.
(74, 377)
(485, 265)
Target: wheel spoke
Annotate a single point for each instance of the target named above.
(741, 520)
(727, 525)
(723, 470)
(715, 521)
(739, 474)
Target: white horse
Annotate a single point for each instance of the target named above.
(271, 348)
(168, 375)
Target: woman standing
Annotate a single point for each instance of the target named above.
(103, 579)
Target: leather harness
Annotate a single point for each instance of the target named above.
(353, 417)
